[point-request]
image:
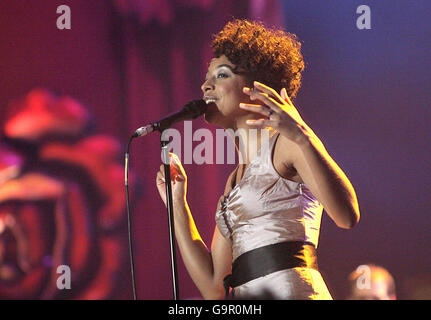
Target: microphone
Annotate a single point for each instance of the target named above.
(191, 110)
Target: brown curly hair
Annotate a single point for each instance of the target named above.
(270, 56)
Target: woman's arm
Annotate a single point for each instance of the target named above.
(207, 269)
(318, 170)
(325, 179)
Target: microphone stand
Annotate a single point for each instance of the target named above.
(170, 210)
(166, 164)
(191, 110)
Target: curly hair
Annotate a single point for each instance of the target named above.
(268, 55)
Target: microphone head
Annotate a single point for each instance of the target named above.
(195, 108)
(191, 110)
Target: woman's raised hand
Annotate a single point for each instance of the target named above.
(279, 112)
(178, 180)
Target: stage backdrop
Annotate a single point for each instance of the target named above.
(365, 93)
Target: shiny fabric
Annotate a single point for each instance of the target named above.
(263, 209)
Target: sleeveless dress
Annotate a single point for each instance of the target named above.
(263, 209)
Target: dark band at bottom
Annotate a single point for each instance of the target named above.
(268, 259)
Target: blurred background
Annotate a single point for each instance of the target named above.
(70, 99)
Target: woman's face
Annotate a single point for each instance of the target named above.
(224, 87)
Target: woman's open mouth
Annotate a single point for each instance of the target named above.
(209, 99)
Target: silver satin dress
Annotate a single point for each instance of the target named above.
(262, 209)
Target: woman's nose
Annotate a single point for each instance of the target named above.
(207, 86)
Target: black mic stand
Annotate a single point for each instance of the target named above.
(166, 163)
(191, 110)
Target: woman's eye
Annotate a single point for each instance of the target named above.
(222, 75)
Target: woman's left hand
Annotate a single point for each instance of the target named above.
(279, 111)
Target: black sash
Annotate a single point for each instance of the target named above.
(268, 259)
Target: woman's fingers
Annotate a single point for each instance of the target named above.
(269, 91)
(160, 177)
(258, 108)
(279, 110)
(264, 97)
(285, 96)
(259, 123)
(176, 169)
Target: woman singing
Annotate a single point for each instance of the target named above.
(268, 220)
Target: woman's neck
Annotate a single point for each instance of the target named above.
(248, 142)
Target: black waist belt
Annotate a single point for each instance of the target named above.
(268, 259)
